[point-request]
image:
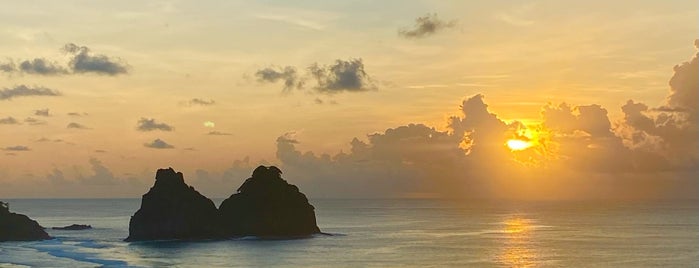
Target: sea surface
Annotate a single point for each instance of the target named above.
(386, 233)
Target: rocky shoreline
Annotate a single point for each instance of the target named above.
(265, 205)
(19, 227)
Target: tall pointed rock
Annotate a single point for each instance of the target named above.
(174, 210)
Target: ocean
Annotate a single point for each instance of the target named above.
(385, 233)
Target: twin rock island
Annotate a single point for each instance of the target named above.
(265, 206)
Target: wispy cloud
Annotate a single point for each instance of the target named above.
(8, 121)
(34, 121)
(149, 124)
(340, 76)
(16, 148)
(426, 26)
(42, 112)
(343, 75)
(287, 74)
(427, 86)
(76, 126)
(41, 66)
(199, 102)
(158, 144)
(26, 91)
(296, 21)
(84, 61)
(218, 133)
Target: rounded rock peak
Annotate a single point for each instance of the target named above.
(168, 176)
(267, 172)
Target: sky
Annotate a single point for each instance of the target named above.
(360, 99)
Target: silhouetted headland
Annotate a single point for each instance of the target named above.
(265, 205)
(74, 227)
(18, 227)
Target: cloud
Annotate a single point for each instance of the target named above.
(84, 62)
(288, 75)
(149, 124)
(101, 175)
(672, 128)
(218, 133)
(577, 152)
(684, 84)
(41, 67)
(216, 183)
(81, 61)
(297, 21)
(7, 67)
(56, 177)
(158, 144)
(42, 112)
(8, 121)
(200, 102)
(426, 26)
(76, 126)
(16, 148)
(25, 91)
(344, 75)
(34, 121)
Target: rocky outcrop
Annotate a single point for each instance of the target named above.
(73, 227)
(173, 210)
(266, 205)
(18, 227)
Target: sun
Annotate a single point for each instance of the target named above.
(518, 145)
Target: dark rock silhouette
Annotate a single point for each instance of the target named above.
(73, 227)
(266, 205)
(18, 227)
(173, 210)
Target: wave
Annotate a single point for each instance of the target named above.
(77, 252)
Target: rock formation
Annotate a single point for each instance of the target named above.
(266, 205)
(173, 210)
(73, 227)
(18, 227)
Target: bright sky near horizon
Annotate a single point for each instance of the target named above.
(95, 96)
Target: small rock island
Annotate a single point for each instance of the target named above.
(265, 205)
(74, 227)
(18, 227)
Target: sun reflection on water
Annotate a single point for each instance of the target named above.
(518, 248)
